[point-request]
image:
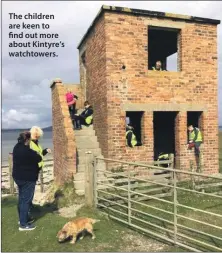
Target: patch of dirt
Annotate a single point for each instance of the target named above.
(139, 243)
(69, 212)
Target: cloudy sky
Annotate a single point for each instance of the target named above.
(26, 96)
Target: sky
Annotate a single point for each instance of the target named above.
(26, 93)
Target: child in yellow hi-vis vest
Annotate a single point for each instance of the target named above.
(195, 139)
(85, 118)
(131, 139)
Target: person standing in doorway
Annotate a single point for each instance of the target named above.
(25, 174)
(195, 139)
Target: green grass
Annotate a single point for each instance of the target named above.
(194, 200)
(109, 234)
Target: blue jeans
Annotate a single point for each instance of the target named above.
(26, 190)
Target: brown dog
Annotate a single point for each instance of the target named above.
(73, 228)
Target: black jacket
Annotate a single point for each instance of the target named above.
(87, 112)
(25, 163)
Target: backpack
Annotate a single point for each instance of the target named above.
(70, 98)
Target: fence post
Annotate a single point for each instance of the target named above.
(95, 181)
(41, 181)
(171, 158)
(89, 179)
(129, 198)
(192, 176)
(175, 206)
(11, 180)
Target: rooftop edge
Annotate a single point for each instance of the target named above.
(140, 12)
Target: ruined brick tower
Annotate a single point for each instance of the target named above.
(116, 58)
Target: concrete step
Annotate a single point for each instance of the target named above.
(87, 144)
(86, 139)
(84, 132)
(79, 185)
(80, 192)
(82, 159)
(80, 176)
(100, 167)
(87, 127)
(82, 151)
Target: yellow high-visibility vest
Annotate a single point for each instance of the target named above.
(89, 119)
(192, 135)
(163, 156)
(39, 150)
(154, 68)
(133, 140)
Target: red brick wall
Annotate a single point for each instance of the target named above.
(96, 91)
(121, 39)
(64, 148)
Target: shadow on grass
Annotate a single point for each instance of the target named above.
(39, 211)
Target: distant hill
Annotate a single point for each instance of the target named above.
(46, 129)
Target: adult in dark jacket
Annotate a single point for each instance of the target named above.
(85, 118)
(25, 174)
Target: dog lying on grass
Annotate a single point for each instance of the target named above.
(75, 227)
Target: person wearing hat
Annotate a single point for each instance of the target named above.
(131, 139)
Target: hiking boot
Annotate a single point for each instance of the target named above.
(28, 227)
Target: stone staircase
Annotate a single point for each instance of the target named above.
(86, 140)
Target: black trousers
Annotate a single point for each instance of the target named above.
(78, 121)
(72, 110)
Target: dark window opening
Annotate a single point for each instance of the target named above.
(163, 46)
(195, 119)
(164, 132)
(134, 119)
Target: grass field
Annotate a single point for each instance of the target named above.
(111, 236)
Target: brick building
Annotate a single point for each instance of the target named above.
(116, 57)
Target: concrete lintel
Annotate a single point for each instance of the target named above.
(163, 107)
(165, 23)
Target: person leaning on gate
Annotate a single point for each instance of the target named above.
(131, 139)
(85, 118)
(25, 174)
(195, 139)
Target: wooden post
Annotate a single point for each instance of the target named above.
(11, 180)
(89, 196)
(192, 176)
(129, 198)
(95, 182)
(41, 180)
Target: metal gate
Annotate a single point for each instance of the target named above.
(161, 202)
